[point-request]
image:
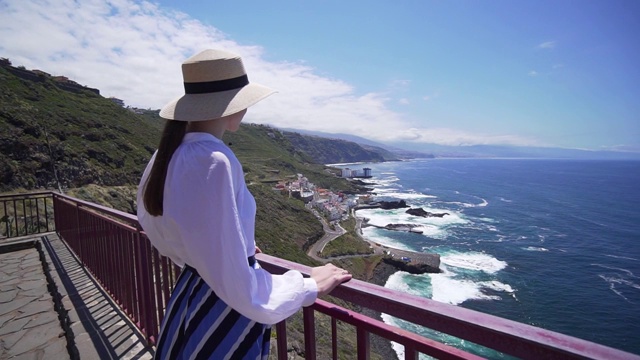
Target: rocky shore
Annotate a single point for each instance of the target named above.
(379, 277)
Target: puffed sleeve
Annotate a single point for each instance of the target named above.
(207, 216)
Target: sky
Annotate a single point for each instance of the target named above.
(496, 72)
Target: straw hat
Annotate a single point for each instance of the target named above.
(216, 85)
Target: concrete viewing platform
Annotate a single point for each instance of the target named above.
(52, 308)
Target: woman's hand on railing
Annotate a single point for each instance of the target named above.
(329, 276)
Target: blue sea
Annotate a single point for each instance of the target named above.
(551, 243)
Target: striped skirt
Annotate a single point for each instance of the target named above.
(199, 325)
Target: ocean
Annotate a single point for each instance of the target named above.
(550, 243)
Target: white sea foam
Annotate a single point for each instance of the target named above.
(396, 282)
(622, 257)
(408, 196)
(473, 261)
(622, 280)
(615, 281)
(431, 231)
(482, 203)
(384, 191)
(499, 287)
(533, 248)
(384, 181)
(628, 272)
(505, 200)
(449, 290)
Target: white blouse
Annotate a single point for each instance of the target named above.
(208, 222)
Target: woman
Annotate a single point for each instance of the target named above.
(196, 209)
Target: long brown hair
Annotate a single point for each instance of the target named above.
(172, 136)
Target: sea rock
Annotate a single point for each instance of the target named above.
(413, 267)
(422, 212)
(388, 205)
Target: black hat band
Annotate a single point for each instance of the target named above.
(216, 86)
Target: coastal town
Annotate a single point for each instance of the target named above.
(335, 207)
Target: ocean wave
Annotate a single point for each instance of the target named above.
(498, 286)
(408, 196)
(396, 282)
(621, 257)
(615, 281)
(449, 290)
(386, 180)
(628, 272)
(533, 248)
(384, 191)
(465, 204)
(620, 281)
(473, 261)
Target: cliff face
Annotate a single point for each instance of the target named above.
(333, 151)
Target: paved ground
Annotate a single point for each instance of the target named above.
(29, 325)
(51, 308)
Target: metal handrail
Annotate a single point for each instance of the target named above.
(111, 245)
(26, 214)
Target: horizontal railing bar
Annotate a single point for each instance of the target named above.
(26, 195)
(392, 333)
(109, 220)
(132, 219)
(510, 337)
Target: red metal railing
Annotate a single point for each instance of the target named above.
(111, 245)
(26, 214)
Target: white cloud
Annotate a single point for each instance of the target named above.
(133, 50)
(453, 137)
(404, 101)
(533, 73)
(547, 45)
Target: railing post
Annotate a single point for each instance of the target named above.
(281, 339)
(142, 283)
(309, 333)
(334, 338)
(410, 353)
(363, 344)
(77, 237)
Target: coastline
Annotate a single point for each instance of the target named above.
(381, 274)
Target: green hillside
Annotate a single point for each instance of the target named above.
(55, 138)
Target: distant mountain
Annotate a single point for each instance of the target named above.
(332, 151)
(408, 150)
(497, 151)
(389, 152)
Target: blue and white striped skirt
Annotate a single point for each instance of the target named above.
(199, 325)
